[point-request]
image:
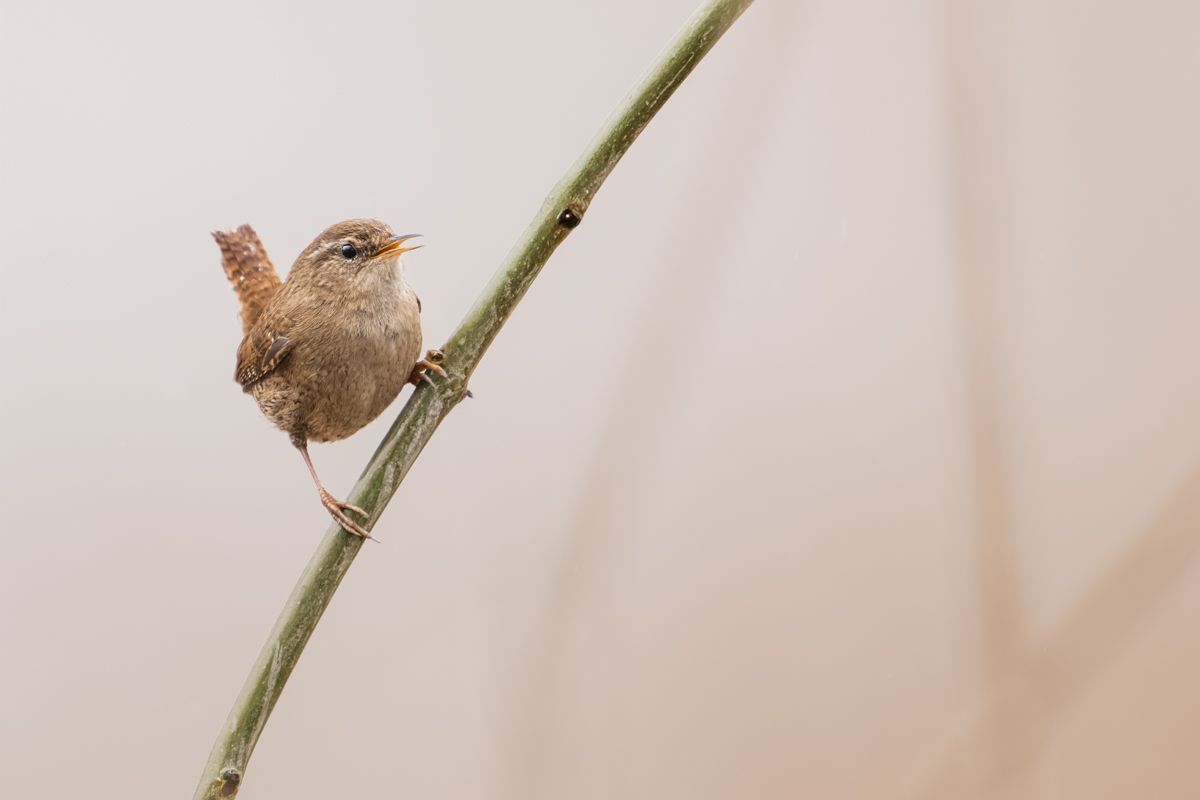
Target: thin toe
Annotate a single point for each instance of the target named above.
(337, 509)
(350, 526)
(355, 509)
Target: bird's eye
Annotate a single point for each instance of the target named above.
(348, 250)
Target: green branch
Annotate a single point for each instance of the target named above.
(562, 211)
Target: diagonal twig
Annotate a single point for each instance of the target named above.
(561, 212)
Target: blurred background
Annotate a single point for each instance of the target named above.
(848, 449)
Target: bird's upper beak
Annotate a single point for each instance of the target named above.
(396, 246)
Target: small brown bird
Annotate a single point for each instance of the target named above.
(327, 350)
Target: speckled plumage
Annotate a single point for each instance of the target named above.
(326, 351)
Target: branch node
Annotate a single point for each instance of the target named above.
(231, 778)
(569, 218)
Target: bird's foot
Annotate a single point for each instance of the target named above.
(432, 362)
(337, 509)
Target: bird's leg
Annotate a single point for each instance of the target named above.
(432, 362)
(337, 509)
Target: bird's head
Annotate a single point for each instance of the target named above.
(348, 249)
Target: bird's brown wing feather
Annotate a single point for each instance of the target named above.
(249, 270)
(258, 354)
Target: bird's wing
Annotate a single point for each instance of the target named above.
(258, 354)
(249, 270)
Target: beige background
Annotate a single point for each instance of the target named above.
(849, 449)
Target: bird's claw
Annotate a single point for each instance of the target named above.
(432, 362)
(337, 509)
(355, 509)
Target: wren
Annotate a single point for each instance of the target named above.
(327, 350)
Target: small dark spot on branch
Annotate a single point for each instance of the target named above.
(568, 218)
(230, 779)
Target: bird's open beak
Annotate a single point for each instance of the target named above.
(396, 246)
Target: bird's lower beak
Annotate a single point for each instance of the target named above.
(396, 246)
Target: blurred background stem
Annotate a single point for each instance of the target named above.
(562, 211)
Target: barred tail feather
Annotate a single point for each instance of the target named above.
(246, 265)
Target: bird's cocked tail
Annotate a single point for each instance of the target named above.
(249, 270)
